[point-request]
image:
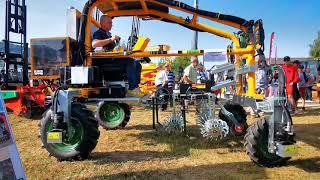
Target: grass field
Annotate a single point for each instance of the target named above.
(138, 152)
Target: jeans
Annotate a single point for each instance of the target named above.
(162, 91)
(133, 69)
(309, 93)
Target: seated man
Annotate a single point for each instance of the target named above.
(103, 38)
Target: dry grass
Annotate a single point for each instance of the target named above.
(138, 152)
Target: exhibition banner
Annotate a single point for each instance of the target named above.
(10, 162)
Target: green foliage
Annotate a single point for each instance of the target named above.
(181, 61)
(315, 47)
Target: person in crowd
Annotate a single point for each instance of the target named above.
(318, 83)
(274, 83)
(161, 82)
(171, 81)
(190, 72)
(296, 94)
(203, 76)
(302, 85)
(292, 78)
(180, 74)
(230, 76)
(310, 83)
(261, 79)
(171, 78)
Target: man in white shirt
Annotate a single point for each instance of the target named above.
(190, 72)
(161, 78)
(161, 81)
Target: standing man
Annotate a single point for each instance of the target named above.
(302, 85)
(171, 81)
(171, 78)
(161, 79)
(103, 38)
(190, 73)
(161, 82)
(292, 78)
(261, 79)
(311, 80)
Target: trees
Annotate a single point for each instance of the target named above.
(315, 47)
(179, 64)
(180, 61)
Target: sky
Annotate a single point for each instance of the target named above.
(295, 23)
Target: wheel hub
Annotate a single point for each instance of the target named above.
(111, 114)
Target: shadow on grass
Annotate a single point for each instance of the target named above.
(237, 170)
(309, 165)
(139, 127)
(309, 112)
(308, 133)
(179, 145)
(101, 158)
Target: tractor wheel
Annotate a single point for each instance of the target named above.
(241, 116)
(113, 116)
(84, 134)
(257, 145)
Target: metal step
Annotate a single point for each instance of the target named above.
(222, 68)
(223, 84)
(246, 70)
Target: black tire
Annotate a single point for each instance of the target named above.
(124, 122)
(84, 117)
(241, 116)
(257, 145)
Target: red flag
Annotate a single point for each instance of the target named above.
(276, 55)
(271, 46)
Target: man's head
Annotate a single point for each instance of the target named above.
(286, 60)
(194, 61)
(296, 63)
(159, 67)
(167, 67)
(106, 22)
(301, 68)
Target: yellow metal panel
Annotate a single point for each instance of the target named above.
(141, 44)
(139, 54)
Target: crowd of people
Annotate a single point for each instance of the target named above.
(299, 82)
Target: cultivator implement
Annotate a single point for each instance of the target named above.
(73, 74)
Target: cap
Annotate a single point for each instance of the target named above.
(301, 66)
(286, 58)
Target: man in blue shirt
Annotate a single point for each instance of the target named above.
(103, 38)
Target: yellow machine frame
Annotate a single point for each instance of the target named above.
(110, 8)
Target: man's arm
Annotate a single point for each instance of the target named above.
(296, 75)
(165, 79)
(100, 43)
(186, 76)
(186, 79)
(103, 42)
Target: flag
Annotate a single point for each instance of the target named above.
(271, 46)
